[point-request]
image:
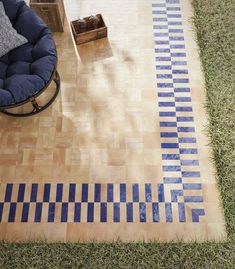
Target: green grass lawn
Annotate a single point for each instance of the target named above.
(215, 26)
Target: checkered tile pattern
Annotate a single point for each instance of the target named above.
(95, 203)
(177, 131)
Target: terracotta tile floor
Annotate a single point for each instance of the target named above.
(122, 153)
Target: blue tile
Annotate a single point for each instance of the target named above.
(168, 209)
(170, 156)
(184, 119)
(161, 50)
(161, 27)
(12, 212)
(186, 129)
(25, 212)
(8, 192)
(85, 192)
(175, 194)
(177, 46)
(188, 151)
(179, 63)
(135, 192)
(173, 8)
(46, 194)
(166, 104)
(169, 145)
(158, 5)
(174, 23)
(171, 168)
(196, 213)
(190, 174)
(164, 76)
(183, 99)
(172, 180)
(192, 186)
(181, 80)
(168, 124)
(175, 30)
(189, 162)
(64, 212)
(34, 192)
(103, 212)
(167, 114)
(97, 192)
(159, 42)
(90, 212)
(122, 192)
(184, 108)
(110, 193)
(129, 212)
(116, 212)
(165, 85)
(161, 197)
(173, 16)
(148, 193)
(155, 210)
(169, 134)
(179, 54)
(193, 199)
(172, 1)
(159, 19)
(158, 12)
(59, 192)
(163, 67)
(181, 211)
(51, 212)
(38, 212)
(161, 34)
(179, 71)
(187, 140)
(72, 191)
(176, 38)
(77, 212)
(181, 89)
(142, 211)
(163, 59)
(1, 211)
(21, 192)
(165, 94)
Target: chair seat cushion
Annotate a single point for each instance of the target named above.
(26, 70)
(23, 86)
(9, 38)
(23, 75)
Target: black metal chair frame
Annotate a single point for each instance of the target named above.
(36, 107)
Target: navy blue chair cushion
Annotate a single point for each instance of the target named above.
(27, 69)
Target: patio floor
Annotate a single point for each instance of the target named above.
(122, 153)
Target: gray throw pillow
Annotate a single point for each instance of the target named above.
(9, 38)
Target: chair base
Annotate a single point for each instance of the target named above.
(36, 108)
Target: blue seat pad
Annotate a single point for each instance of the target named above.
(27, 69)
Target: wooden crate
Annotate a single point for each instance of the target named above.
(100, 32)
(51, 11)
